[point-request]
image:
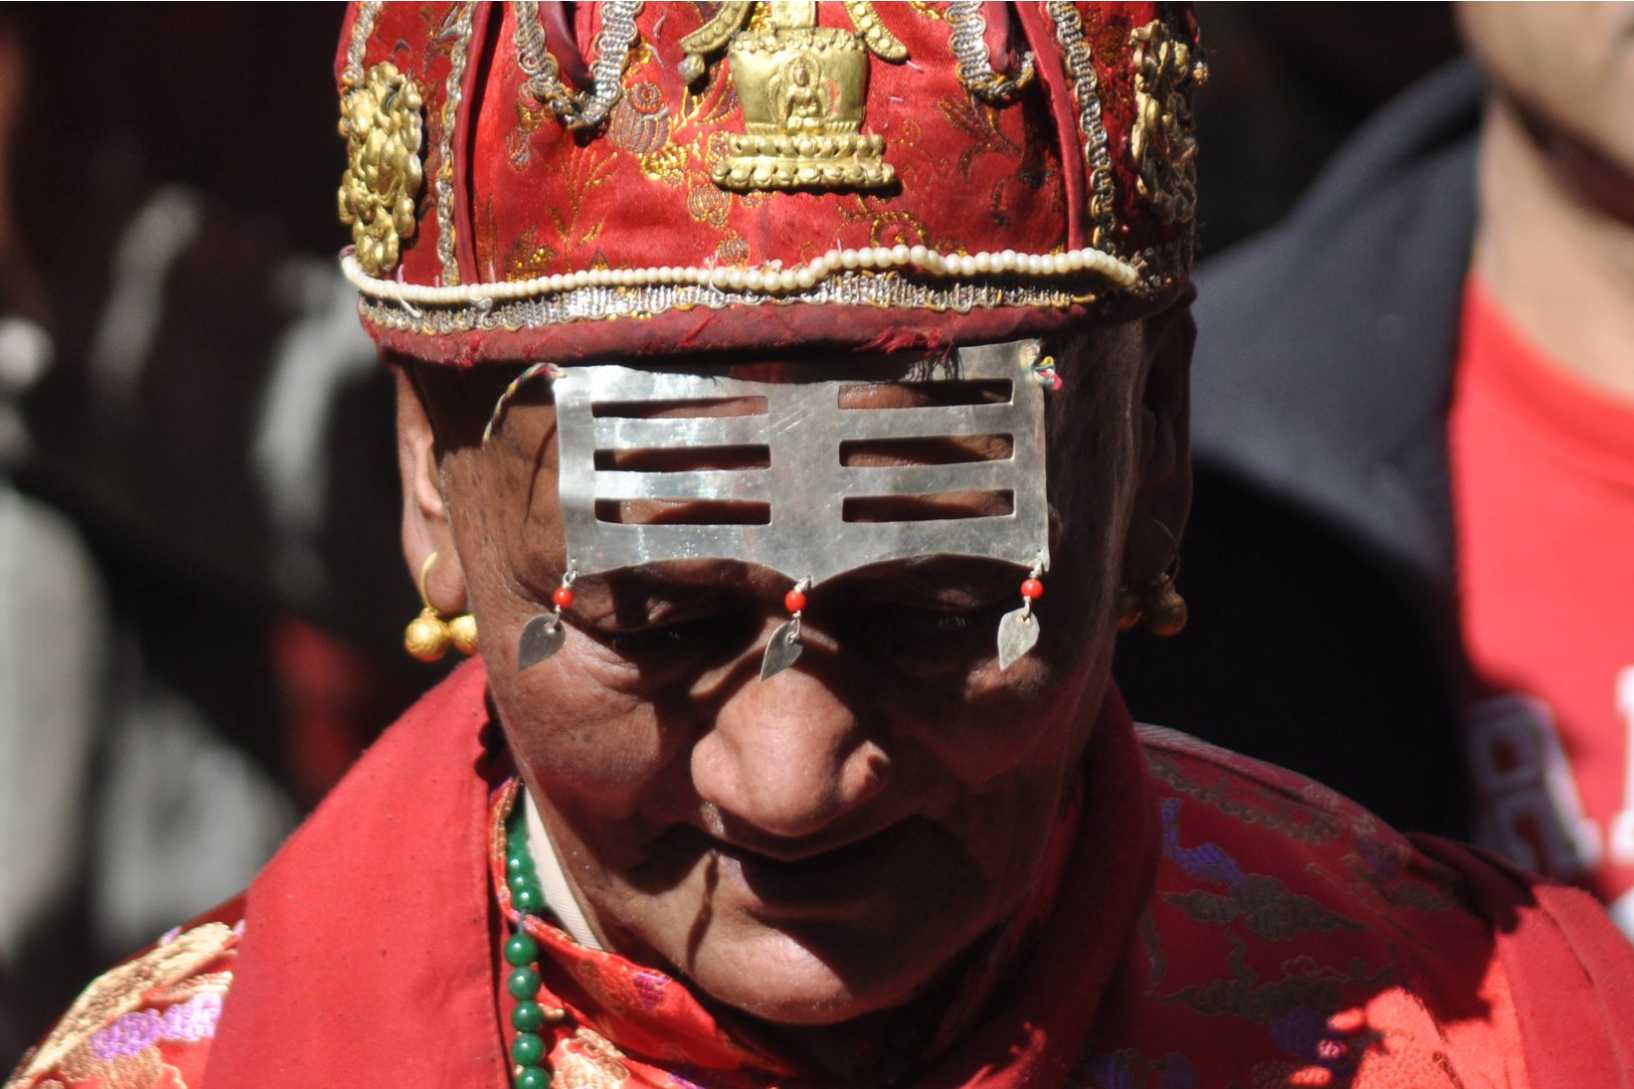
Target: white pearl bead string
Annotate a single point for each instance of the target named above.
(770, 279)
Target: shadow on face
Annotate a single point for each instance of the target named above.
(819, 846)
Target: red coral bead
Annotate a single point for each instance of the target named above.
(563, 597)
(1032, 589)
(794, 601)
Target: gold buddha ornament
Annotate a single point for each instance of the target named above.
(803, 88)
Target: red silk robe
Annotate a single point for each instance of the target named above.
(1218, 923)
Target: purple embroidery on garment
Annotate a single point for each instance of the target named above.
(1306, 1035)
(1178, 1072)
(194, 1019)
(187, 1021)
(169, 936)
(1110, 1072)
(683, 1083)
(1298, 1032)
(1207, 861)
(650, 986)
(1382, 858)
(128, 1035)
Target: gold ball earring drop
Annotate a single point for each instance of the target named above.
(428, 635)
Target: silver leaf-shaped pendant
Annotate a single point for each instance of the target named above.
(1018, 631)
(540, 639)
(783, 650)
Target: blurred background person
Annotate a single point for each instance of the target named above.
(188, 656)
(1415, 435)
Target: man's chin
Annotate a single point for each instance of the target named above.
(783, 980)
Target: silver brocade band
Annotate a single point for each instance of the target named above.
(454, 93)
(362, 27)
(602, 303)
(1069, 31)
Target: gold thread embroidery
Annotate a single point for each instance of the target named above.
(193, 986)
(528, 257)
(146, 1069)
(1162, 143)
(123, 989)
(981, 126)
(588, 1061)
(380, 122)
(640, 121)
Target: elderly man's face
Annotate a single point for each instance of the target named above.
(816, 846)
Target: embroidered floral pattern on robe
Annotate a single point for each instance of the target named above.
(146, 1024)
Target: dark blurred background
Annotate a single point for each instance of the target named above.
(201, 589)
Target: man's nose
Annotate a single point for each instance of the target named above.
(788, 756)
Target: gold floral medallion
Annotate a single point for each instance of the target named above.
(803, 88)
(1162, 142)
(381, 123)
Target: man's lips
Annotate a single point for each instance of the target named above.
(808, 878)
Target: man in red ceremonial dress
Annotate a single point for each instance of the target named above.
(760, 367)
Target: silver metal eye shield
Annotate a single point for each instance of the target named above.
(797, 508)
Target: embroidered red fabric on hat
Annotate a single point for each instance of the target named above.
(743, 177)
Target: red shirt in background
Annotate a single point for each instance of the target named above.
(1543, 499)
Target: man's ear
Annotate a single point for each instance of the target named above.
(1164, 415)
(426, 528)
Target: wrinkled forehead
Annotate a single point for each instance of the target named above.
(790, 467)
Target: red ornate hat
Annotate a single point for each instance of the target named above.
(581, 182)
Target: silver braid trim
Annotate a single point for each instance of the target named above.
(613, 44)
(362, 28)
(1069, 31)
(975, 66)
(454, 93)
(544, 80)
(613, 49)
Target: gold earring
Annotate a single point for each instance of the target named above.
(1165, 610)
(462, 632)
(1157, 603)
(428, 635)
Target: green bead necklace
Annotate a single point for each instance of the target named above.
(521, 953)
